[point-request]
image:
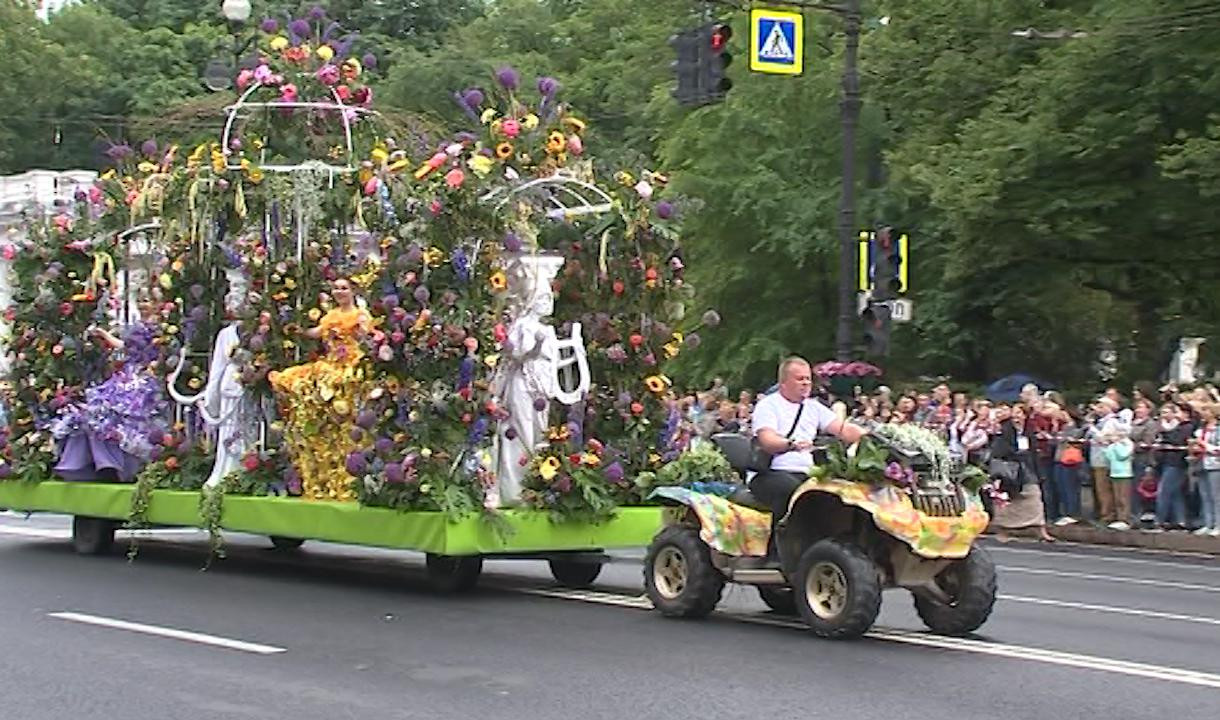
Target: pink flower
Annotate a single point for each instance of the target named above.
(370, 187)
(262, 75)
(435, 207)
(9, 252)
(455, 177)
(288, 93)
(385, 353)
(576, 146)
(328, 74)
(95, 195)
(245, 77)
(511, 128)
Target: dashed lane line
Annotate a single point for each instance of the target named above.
(1014, 652)
(173, 633)
(991, 548)
(1125, 579)
(1072, 605)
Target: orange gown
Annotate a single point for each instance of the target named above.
(317, 401)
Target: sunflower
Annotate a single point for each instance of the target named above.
(504, 150)
(498, 281)
(549, 468)
(656, 383)
(556, 142)
(576, 124)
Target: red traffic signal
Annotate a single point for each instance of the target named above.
(721, 34)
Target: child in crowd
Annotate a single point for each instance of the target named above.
(1118, 453)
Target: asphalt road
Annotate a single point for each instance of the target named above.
(332, 632)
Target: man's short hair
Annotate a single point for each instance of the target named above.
(789, 362)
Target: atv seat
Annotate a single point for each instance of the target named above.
(743, 496)
(736, 449)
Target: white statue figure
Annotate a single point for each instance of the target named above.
(220, 404)
(536, 367)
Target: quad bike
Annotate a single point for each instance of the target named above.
(838, 547)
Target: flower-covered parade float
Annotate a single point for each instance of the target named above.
(323, 325)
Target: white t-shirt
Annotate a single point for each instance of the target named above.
(778, 414)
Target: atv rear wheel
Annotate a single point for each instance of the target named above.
(452, 573)
(92, 536)
(837, 589)
(575, 574)
(970, 584)
(679, 576)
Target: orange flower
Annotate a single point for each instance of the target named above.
(504, 150)
(498, 281)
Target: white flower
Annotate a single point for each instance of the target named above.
(454, 150)
(644, 189)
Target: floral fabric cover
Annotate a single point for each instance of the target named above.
(727, 527)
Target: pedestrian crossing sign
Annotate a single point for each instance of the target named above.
(777, 41)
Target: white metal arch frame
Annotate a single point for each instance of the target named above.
(243, 102)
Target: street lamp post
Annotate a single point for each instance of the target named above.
(219, 74)
(850, 108)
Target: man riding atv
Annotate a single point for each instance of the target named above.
(785, 424)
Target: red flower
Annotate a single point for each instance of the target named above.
(636, 340)
(65, 308)
(250, 462)
(574, 458)
(171, 463)
(499, 332)
(619, 287)
(650, 274)
(637, 408)
(467, 418)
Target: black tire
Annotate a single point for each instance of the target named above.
(575, 574)
(780, 599)
(280, 542)
(685, 584)
(454, 574)
(837, 590)
(971, 583)
(92, 536)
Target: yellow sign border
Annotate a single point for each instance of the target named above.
(756, 41)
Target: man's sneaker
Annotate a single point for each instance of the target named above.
(1064, 521)
(1148, 517)
(1215, 532)
(1119, 525)
(1203, 531)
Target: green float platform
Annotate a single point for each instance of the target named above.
(529, 531)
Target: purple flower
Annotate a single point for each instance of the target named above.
(197, 291)
(393, 473)
(383, 445)
(389, 302)
(328, 74)
(616, 353)
(369, 61)
(317, 12)
(414, 254)
(473, 98)
(894, 471)
(614, 472)
(511, 433)
(665, 210)
(149, 148)
(548, 86)
(512, 243)
(478, 430)
(118, 152)
(355, 463)
(711, 318)
(461, 265)
(269, 25)
(692, 341)
(508, 78)
(300, 28)
(356, 434)
(422, 294)
(80, 196)
(539, 404)
(366, 419)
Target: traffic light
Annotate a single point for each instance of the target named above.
(887, 265)
(686, 67)
(714, 40)
(876, 319)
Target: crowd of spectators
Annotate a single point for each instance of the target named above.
(1148, 461)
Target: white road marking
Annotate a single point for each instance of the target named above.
(43, 533)
(1015, 652)
(1111, 578)
(1107, 558)
(186, 635)
(1155, 614)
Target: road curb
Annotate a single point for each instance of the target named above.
(1168, 541)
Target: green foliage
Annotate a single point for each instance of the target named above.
(703, 463)
(867, 465)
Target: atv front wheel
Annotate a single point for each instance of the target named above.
(679, 576)
(837, 589)
(970, 584)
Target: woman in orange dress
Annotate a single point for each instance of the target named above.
(317, 399)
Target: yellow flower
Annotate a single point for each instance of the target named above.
(314, 314)
(498, 281)
(165, 281)
(575, 123)
(290, 284)
(495, 127)
(425, 452)
(434, 256)
(341, 407)
(504, 150)
(654, 458)
(481, 165)
(590, 459)
(529, 122)
(488, 115)
(624, 178)
(555, 142)
(671, 350)
(111, 174)
(288, 344)
(177, 266)
(146, 167)
(194, 383)
(492, 360)
(549, 468)
(279, 42)
(657, 383)
(326, 52)
(380, 154)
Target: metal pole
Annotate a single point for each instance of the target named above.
(847, 207)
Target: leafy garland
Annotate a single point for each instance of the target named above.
(211, 504)
(915, 438)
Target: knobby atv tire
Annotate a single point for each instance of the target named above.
(453, 574)
(704, 583)
(863, 590)
(971, 582)
(781, 600)
(92, 536)
(575, 574)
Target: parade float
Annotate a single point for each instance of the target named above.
(325, 324)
